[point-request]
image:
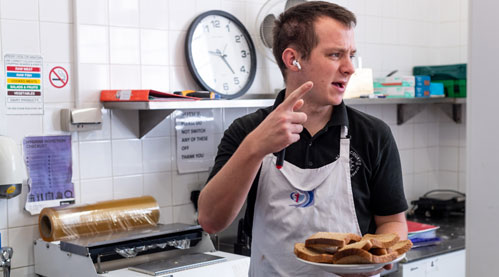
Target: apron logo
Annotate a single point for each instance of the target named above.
(302, 199)
(355, 162)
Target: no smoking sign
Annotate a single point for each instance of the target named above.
(58, 77)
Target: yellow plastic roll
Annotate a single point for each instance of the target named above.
(70, 222)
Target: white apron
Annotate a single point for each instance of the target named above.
(294, 203)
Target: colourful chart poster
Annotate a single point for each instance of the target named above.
(23, 80)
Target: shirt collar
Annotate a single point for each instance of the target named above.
(338, 117)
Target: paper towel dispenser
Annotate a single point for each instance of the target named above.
(81, 119)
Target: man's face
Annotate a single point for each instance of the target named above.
(329, 65)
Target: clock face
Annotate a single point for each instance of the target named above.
(220, 54)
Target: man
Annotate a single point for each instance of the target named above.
(342, 169)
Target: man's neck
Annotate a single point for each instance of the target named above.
(317, 117)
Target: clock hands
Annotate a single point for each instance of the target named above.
(223, 56)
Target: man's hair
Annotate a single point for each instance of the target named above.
(295, 27)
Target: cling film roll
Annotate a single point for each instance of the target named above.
(70, 222)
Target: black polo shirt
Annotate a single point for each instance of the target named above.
(375, 169)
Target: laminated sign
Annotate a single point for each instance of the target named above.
(23, 80)
(195, 140)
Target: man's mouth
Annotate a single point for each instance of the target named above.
(340, 85)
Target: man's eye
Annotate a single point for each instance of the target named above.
(352, 57)
(335, 55)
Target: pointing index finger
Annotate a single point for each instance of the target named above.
(297, 94)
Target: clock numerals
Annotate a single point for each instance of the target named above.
(215, 23)
(238, 38)
(226, 86)
(236, 80)
(244, 54)
(243, 69)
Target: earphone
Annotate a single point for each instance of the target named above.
(297, 64)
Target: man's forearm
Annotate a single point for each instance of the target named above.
(224, 195)
(392, 224)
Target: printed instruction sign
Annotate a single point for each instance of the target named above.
(23, 82)
(49, 163)
(195, 140)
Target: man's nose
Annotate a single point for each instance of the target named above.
(347, 67)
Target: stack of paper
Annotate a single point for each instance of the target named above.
(422, 234)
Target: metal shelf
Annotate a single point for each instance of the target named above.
(153, 112)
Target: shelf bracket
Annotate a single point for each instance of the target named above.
(454, 111)
(407, 111)
(148, 119)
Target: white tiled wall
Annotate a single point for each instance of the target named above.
(139, 44)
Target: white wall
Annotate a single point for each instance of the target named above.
(139, 44)
(482, 210)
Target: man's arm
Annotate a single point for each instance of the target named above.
(392, 224)
(222, 198)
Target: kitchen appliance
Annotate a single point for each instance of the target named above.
(12, 168)
(440, 203)
(160, 250)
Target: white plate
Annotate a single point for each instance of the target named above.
(351, 268)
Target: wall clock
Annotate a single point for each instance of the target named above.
(220, 54)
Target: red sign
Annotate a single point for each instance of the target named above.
(58, 77)
(23, 68)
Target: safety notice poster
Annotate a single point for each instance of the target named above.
(23, 80)
(195, 140)
(49, 163)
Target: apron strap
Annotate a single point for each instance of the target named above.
(344, 132)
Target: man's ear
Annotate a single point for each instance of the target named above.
(290, 57)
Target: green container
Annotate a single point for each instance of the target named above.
(442, 72)
(453, 88)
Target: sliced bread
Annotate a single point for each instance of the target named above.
(382, 240)
(402, 246)
(361, 256)
(332, 239)
(311, 255)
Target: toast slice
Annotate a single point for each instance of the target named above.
(382, 240)
(402, 246)
(331, 239)
(311, 255)
(380, 251)
(361, 256)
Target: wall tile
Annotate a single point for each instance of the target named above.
(63, 13)
(125, 76)
(93, 12)
(183, 184)
(156, 154)
(423, 161)
(77, 191)
(21, 9)
(181, 79)
(124, 45)
(154, 47)
(449, 158)
(177, 14)
(75, 155)
(28, 271)
(124, 13)
(20, 37)
(449, 134)
(160, 186)
(21, 239)
(420, 186)
(127, 186)
(407, 160)
(420, 135)
(152, 14)
(56, 42)
(4, 237)
(3, 214)
(166, 215)
(405, 137)
(95, 159)
(93, 44)
(127, 157)
(31, 126)
(92, 79)
(184, 214)
(155, 77)
(52, 119)
(17, 216)
(176, 42)
(96, 190)
(448, 180)
(409, 188)
(124, 124)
